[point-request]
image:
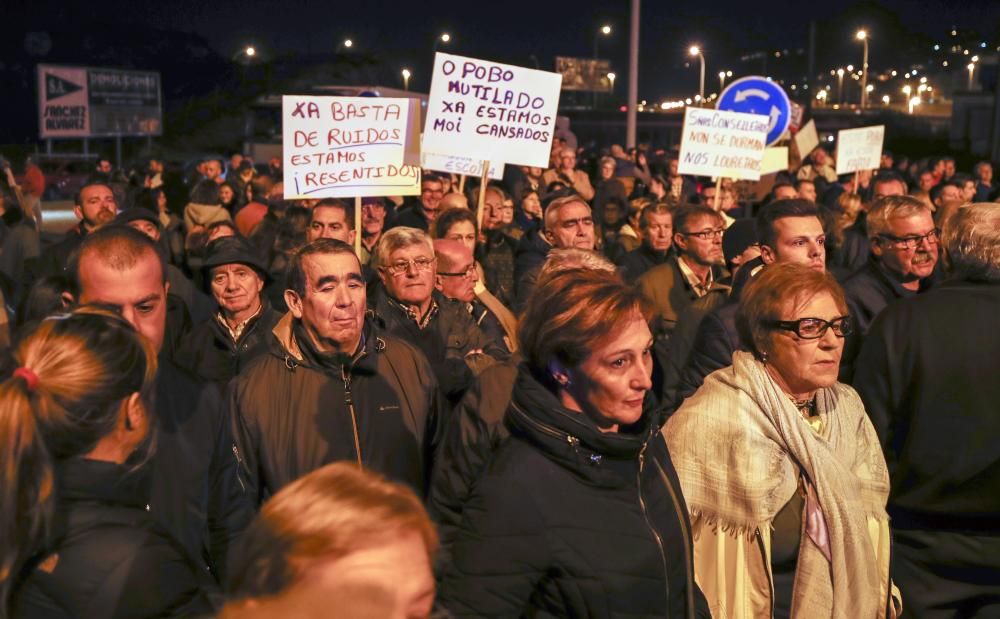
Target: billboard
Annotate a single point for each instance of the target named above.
(82, 102)
(587, 74)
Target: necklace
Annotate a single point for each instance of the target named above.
(807, 407)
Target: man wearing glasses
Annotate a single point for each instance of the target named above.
(677, 283)
(406, 302)
(420, 214)
(456, 279)
(903, 262)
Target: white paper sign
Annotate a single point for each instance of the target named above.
(452, 164)
(346, 146)
(491, 111)
(859, 149)
(775, 159)
(807, 139)
(719, 143)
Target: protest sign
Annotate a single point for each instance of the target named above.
(454, 164)
(723, 144)
(807, 139)
(859, 149)
(491, 111)
(775, 159)
(346, 146)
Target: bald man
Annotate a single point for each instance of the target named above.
(456, 279)
(453, 200)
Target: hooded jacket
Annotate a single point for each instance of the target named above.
(568, 521)
(295, 410)
(108, 556)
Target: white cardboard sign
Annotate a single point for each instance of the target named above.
(491, 111)
(453, 164)
(347, 147)
(720, 143)
(807, 139)
(859, 149)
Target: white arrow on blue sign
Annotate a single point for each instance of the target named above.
(759, 95)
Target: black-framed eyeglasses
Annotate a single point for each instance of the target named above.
(815, 328)
(706, 235)
(912, 242)
(467, 273)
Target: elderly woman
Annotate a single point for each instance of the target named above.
(579, 513)
(781, 467)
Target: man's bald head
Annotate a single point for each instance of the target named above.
(453, 200)
(456, 270)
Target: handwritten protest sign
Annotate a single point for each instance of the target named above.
(491, 111)
(723, 144)
(775, 160)
(455, 164)
(859, 149)
(346, 146)
(807, 139)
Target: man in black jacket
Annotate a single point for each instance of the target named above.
(927, 374)
(407, 305)
(903, 260)
(224, 345)
(333, 386)
(656, 228)
(197, 493)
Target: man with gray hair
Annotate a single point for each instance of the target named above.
(928, 375)
(902, 263)
(407, 303)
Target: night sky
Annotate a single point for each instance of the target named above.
(523, 31)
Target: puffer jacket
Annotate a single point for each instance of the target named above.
(295, 411)
(108, 556)
(568, 521)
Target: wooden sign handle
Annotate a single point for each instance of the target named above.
(482, 193)
(357, 227)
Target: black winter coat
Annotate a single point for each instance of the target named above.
(210, 353)
(529, 256)
(294, 413)
(109, 558)
(568, 521)
(197, 492)
(635, 263)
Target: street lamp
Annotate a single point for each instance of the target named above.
(250, 51)
(885, 99)
(611, 78)
(604, 30)
(972, 70)
(863, 37)
(694, 50)
(406, 79)
(915, 101)
(840, 85)
(444, 37)
(348, 43)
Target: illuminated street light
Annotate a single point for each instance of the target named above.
(885, 99)
(863, 37)
(446, 38)
(250, 51)
(840, 85)
(611, 78)
(914, 102)
(406, 79)
(694, 50)
(348, 43)
(907, 90)
(972, 69)
(605, 30)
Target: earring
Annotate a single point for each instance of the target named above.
(563, 381)
(763, 357)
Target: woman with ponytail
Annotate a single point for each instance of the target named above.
(76, 429)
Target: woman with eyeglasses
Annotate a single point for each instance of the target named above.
(781, 468)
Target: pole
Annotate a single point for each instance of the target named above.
(118, 152)
(856, 175)
(357, 227)
(461, 183)
(482, 194)
(633, 75)
(812, 62)
(597, 40)
(718, 194)
(864, 75)
(701, 82)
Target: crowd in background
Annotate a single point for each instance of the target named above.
(622, 391)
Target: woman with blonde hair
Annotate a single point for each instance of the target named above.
(781, 467)
(76, 538)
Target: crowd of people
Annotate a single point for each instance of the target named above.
(625, 393)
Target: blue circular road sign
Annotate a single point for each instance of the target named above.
(759, 95)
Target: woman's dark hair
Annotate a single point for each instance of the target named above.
(450, 217)
(74, 372)
(43, 299)
(205, 192)
(149, 199)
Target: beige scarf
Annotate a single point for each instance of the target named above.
(739, 446)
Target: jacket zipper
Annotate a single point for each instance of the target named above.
(239, 468)
(350, 407)
(645, 517)
(541, 427)
(686, 534)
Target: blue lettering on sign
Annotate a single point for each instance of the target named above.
(759, 95)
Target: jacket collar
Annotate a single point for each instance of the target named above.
(571, 438)
(288, 347)
(82, 479)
